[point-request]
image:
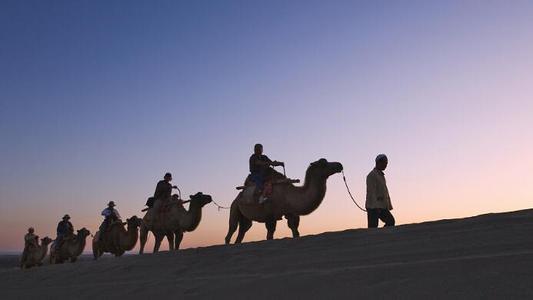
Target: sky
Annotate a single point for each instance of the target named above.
(98, 99)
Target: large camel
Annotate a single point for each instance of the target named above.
(71, 249)
(36, 255)
(174, 222)
(126, 238)
(286, 200)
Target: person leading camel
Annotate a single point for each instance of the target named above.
(259, 170)
(31, 241)
(378, 203)
(110, 215)
(65, 230)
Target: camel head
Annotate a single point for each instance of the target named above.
(83, 233)
(133, 222)
(200, 199)
(46, 241)
(322, 169)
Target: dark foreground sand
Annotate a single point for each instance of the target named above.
(484, 257)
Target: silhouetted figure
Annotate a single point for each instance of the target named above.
(31, 241)
(378, 204)
(259, 169)
(162, 194)
(65, 230)
(110, 215)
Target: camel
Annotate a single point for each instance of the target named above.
(71, 249)
(127, 239)
(36, 255)
(286, 200)
(174, 222)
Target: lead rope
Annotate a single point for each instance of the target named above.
(216, 204)
(219, 207)
(350, 193)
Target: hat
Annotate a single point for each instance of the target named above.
(168, 175)
(111, 203)
(66, 217)
(31, 229)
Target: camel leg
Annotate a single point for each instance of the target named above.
(244, 225)
(158, 240)
(177, 241)
(234, 219)
(143, 238)
(293, 222)
(170, 238)
(271, 227)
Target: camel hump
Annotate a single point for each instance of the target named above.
(117, 224)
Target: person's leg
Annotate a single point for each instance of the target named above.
(156, 210)
(267, 188)
(257, 179)
(386, 217)
(372, 217)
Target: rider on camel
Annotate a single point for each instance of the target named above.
(260, 170)
(111, 215)
(65, 230)
(31, 241)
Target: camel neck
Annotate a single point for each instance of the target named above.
(79, 245)
(131, 237)
(193, 217)
(307, 198)
(44, 250)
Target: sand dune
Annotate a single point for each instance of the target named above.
(489, 256)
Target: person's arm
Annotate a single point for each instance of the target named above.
(268, 162)
(117, 215)
(27, 240)
(258, 162)
(157, 188)
(371, 196)
(274, 163)
(59, 229)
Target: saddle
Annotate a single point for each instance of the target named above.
(165, 207)
(248, 182)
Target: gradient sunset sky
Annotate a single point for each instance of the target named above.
(98, 99)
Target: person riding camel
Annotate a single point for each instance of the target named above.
(65, 230)
(31, 241)
(163, 193)
(259, 172)
(111, 215)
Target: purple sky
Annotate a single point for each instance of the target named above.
(98, 99)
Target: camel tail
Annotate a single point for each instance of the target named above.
(234, 218)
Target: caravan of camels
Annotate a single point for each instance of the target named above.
(265, 197)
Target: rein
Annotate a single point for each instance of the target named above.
(350, 193)
(219, 207)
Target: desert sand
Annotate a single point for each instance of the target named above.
(483, 257)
